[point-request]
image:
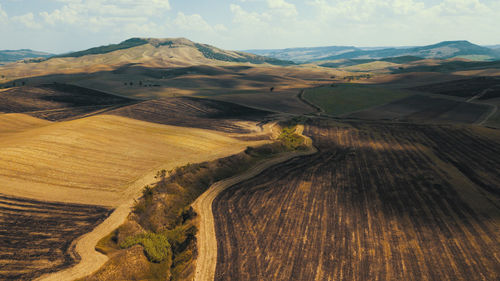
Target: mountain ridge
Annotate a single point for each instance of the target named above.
(441, 50)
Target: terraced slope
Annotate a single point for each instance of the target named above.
(36, 236)
(378, 202)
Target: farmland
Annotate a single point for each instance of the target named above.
(379, 201)
(422, 108)
(193, 112)
(98, 157)
(486, 87)
(344, 98)
(36, 237)
(99, 160)
(57, 101)
(111, 158)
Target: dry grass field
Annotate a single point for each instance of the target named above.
(93, 160)
(36, 237)
(15, 123)
(379, 201)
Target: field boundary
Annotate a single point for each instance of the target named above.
(206, 239)
(301, 97)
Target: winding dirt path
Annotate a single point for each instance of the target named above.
(91, 260)
(206, 239)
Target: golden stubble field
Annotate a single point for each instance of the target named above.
(93, 160)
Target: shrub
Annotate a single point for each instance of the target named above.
(156, 246)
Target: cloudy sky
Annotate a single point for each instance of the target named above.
(69, 25)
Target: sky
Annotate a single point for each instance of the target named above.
(59, 26)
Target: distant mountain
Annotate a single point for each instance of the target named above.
(15, 55)
(443, 50)
(494, 47)
(305, 54)
(208, 51)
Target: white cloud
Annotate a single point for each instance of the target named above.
(282, 7)
(191, 22)
(27, 20)
(3, 15)
(98, 14)
(240, 16)
(464, 7)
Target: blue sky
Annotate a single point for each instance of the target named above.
(65, 25)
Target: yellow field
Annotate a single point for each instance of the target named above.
(15, 123)
(93, 160)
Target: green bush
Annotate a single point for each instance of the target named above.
(156, 246)
(290, 139)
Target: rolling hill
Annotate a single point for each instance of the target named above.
(442, 50)
(208, 51)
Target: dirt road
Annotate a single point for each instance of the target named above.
(206, 239)
(91, 260)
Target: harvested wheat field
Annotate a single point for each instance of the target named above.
(36, 237)
(194, 112)
(93, 160)
(377, 202)
(16, 123)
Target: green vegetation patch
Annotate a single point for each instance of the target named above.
(290, 139)
(156, 246)
(345, 98)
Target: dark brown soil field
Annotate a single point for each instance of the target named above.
(465, 88)
(193, 112)
(377, 202)
(286, 101)
(56, 101)
(36, 237)
(425, 109)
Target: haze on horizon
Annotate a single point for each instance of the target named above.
(59, 26)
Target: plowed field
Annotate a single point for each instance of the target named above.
(36, 236)
(377, 202)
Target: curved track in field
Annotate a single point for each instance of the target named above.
(206, 239)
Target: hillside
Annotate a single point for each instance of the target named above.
(208, 51)
(151, 53)
(443, 50)
(15, 55)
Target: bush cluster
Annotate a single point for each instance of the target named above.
(156, 246)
